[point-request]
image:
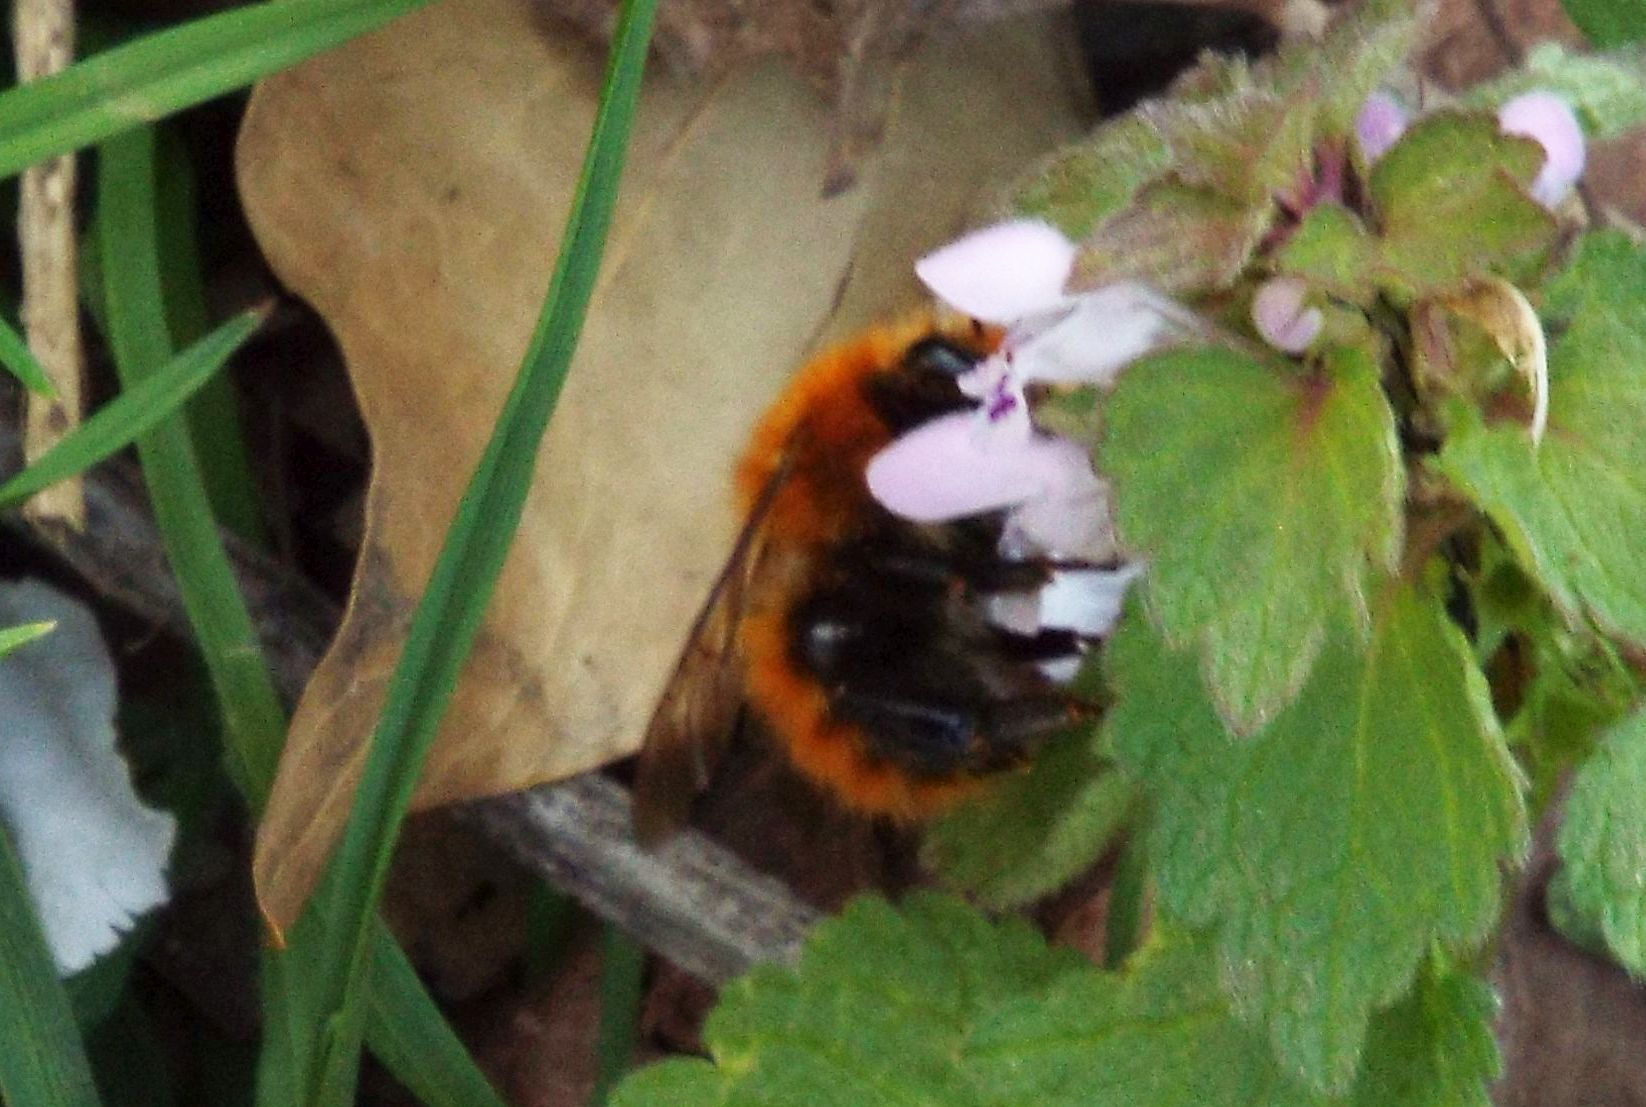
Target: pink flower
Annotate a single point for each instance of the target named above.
(1381, 122)
(1280, 317)
(1544, 116)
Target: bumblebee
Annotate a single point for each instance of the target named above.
(861, 641)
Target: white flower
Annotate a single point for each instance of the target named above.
(93, 854)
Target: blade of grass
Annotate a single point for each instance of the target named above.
(119, 422)
(254, 721)
(447, 619)
(214, 412)
(42, 1060)
(13, 637)
(16, 356)
(622, 986)
(170, 70)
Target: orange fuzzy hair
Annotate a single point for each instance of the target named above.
(825, 430)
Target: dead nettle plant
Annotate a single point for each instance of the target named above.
(1362, 402)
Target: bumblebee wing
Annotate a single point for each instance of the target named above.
(699, 710)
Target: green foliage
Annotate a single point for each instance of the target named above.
(1452, 198)
(166, 72)
(42, 1063)
(133, 413)
(1609, 22)
(1082, 185)
(1264, 498)
(1332, 250)
(1034, 832)
(880, 1011)
(933, 1005)
(1363, 825)
(1572, 509)
(1434, 1048)
(1603, 843)
(20, 361)
(12, 638)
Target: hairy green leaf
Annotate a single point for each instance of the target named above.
(1083, 184)
(1434, 1048)
(1603, 842)
(932, 1006)
(1573, 508)
(1609, 23)
(1033, 832)
(1452, 199)
(878, 1012)
(1333, 850)
(1330, 249)
(1263, 497)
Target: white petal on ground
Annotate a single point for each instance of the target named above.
(1098, 333)
(1549, 119)
(1001, 273)
(954, 466)
(93, 854)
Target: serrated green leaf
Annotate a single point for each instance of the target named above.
(1330, 249)
(1609, 23)
(1572, 509)
(1603, 842)
(1451, 196)
(1177, 237)
(878, 1012)
(1160, 1036)
(1083, 184)
(1333, 850)
(1608, 93)
(1263, 496)
(1032, 833)
(1434, 1048)
(1245, 147)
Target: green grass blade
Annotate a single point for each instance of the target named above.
(13, 637)
(42, 1061)
(421, 1051)
(133, 412)
(622, 987)
(16, 356)
(214, 412)
(449, 615)
(141, 342)
(254, 722)
(174, 69)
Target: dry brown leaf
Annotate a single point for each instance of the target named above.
(412, 186)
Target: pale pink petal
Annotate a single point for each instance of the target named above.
(1098, 334)
(1280, 317)
(1550, 120)
(1086, 601)
(1001, 273)
(1071, 523)
(1381, 122)
(952, 467)
(1018, 612)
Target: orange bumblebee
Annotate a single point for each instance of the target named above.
(861, 640)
